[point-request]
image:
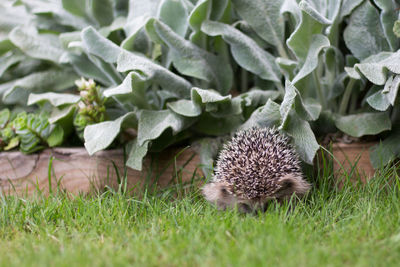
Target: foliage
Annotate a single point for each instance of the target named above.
(30, 132)
(176, 70)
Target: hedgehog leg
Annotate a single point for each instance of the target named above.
(218, 194)
(292, 184)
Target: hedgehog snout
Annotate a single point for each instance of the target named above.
(219, 194)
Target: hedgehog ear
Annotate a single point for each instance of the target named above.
(292, 184)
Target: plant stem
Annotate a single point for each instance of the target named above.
(320, 94)
(346, 96)
(280, 88)
(282, 51)
(395, 114)
(243, 80)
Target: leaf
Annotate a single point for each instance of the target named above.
(382, 99)
(51, 80)
(134, 84)
(136, 154)
(191, 60)
(318, 10)
(100, 135)
(256, 97)
(291, 7)
(41, 46)
(12, 17)
(205, 10)
(59, 114)
(153, 123)
(207, 149)
(396, 29)
(158, 74)
(307, 110)
(388, 17)
(8, 60)
(348, 6)
(245, 51)
(108, 70)
(264, 17)
(325, 12)
(264, 116)
(139, 12)
(378, 101)
(139, 8)
(387, 150)
(334, 63)
(200, 13)
(287, 67)
(375, 67)
(185, 108)
(5, 46)
(210, 125)
(363, 124)
(174, 14)
(199, 98)
(86, 68)
(13, 143)
(56, 137)
(50, 15)
(318, 43)
(202, 96)
(4, 117)
(100, 46)
(352, 73)
(303, 138)
(392, 89)
(74, 7)
(134, 31)
(102, 11)
(288, 103)
(55, 99)
(365, 25)
(300, 40)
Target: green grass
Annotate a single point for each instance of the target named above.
(352, 227)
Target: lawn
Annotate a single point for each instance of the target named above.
(330, 227)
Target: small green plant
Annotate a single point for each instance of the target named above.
(30, 132)
(91, 107)
(8, 136)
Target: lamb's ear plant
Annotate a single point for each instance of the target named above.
(174, 71)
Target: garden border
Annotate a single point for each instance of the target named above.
(74, 171)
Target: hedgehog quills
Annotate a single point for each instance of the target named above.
(255, 166)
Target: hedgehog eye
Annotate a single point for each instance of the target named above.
(224, 191)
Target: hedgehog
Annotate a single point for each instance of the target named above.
(256, 166)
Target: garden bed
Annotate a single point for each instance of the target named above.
(353, 160)
(74, 171)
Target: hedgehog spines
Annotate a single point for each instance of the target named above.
(254, 160)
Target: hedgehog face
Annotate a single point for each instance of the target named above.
(219, 194)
